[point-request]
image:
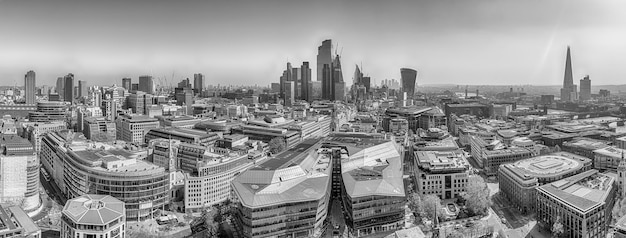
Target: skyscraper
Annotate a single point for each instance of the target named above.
(568, 92)
(585, 89)
(126, 83)
(326, 82)
(324, 56)
(305, 88)
(82, 88)
(60, 85)
(338, 86)
(68, 86)
(198, 83)
(146, 84)
(408, 77)
(297, 82)
(29, 87)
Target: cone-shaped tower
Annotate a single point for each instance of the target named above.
(568, 92)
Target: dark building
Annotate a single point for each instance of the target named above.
(184, 95)
(547, 99)
(568, 92)
(134, 87)
(408, 77)
(476, 109)
(60, 90)
(338, 86)
(68, 86)
(326, 82)
(29, 87)
(146, 84)
(198, 83)
(306, 85)
(127, 83)
(324, 56)
(82, 88)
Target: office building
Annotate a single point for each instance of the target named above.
(68, 88)
(178, 121)
(491, 155)
(198, 83)
(33, 131)
(60, 88)
(127, 83)
(290, 96)
(132, 128)
(19, 173)
(568, 92)
(584, 146)
(408, 78)
(585, 89)
(608, 158)
(583, 203)
(305, 86)
(184, 96)
(338, 86)
(93, 215)
(441, 173)
(82, 89)
(285, 196)
(29, 87)
(99, 129)
(327, 83)
(14, 222)
(192, 136)
(80, 167)
(324, 56)
(208, 173)
(146, 84)
(49, 111)
(139, 101)
(518, 181)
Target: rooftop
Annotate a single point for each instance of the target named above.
(582, 191)
(439, 161)
(587, 143)
(91, 209)
(611, 151)
(445, 144)
(551, 165)
(413, 110)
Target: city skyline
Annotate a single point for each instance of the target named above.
(517, 42)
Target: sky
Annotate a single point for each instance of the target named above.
(499, 42)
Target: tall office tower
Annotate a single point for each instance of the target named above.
(59, 88)
(82, 88)
(283, 79)
(297, 82)
(367, 82)
(408, 76)
(326, 82)
(198, 83)
(358, 76)
(146, 84)
(305, 87)
(68, 86)
(126, 83)
(585, 89)
(568, 89)
(338, 86)
(290, 94)
(29, 87)
(184, 95)
(324, 56)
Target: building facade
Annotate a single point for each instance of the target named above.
(441, 173)
(94, 216)
(132, 128)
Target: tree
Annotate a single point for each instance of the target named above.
(476, 195)
(277, 145)
(416, 205)
(619, 210)
(557, 228)
(432, 206)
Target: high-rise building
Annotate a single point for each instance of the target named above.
(585, 89)
(324, 56)
(82, 88)
(338, 86)
(305, 86)
(126, 83)
(568, 92)
(29, 87)
(198, 83)
(146, 84)
(327, 82)
(59, 89)
(297, 82)
(408, 77)
(184, 95)
(290, 95)
(68, 86)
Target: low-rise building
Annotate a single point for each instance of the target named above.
(582, 203)
(584, 146)
(441, 173)
(93, 216)
(191, 136)
(608, 158)
(14, 222)
(99, 129)
(132, 128)
(518, 181)
(620, 142)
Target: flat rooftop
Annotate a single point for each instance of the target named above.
(587, 143)
(551, 165)
(611, 151)
(510, 150)
(183, 132)
(582, 191)
(289, 157)
(435, 161)
(445, 144)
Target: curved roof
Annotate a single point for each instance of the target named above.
(546, 166)
(91, 209)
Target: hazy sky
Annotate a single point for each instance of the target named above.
(249, 42)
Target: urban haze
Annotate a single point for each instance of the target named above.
(297, 119)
